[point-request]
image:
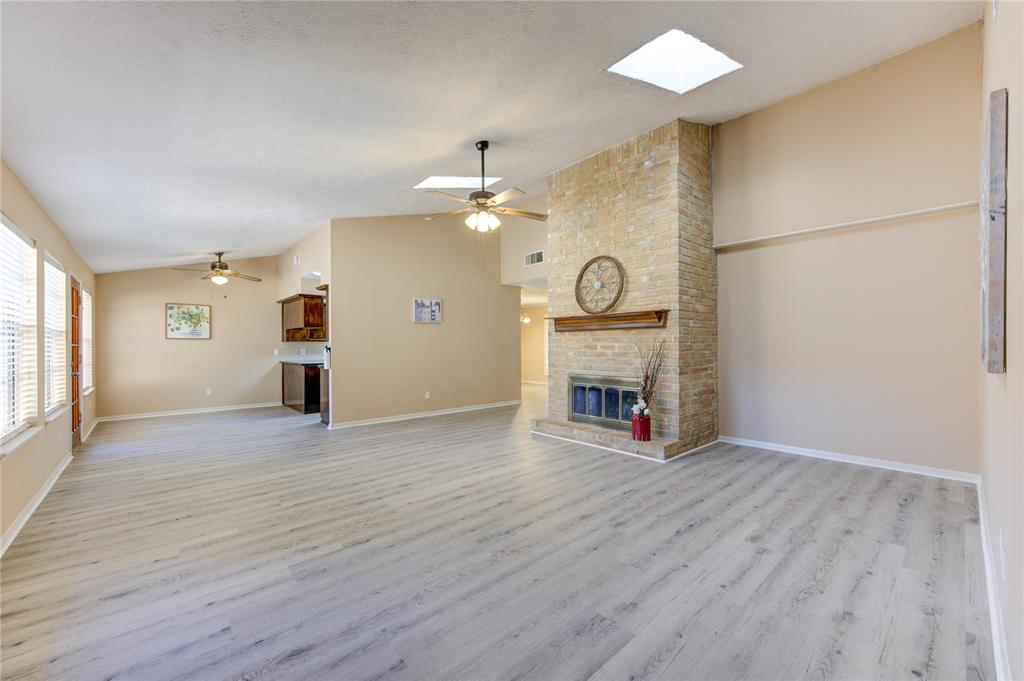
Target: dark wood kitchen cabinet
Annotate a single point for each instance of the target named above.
(300, 387)
(303, 318)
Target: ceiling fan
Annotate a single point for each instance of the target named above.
(218, 272)
(484, 206)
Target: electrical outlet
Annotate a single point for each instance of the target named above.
(302, 351)
(276, 352)
(297, 258)
(1002, 557)
(209, 391)
(426, 395)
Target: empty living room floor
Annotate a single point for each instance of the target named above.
(256, 545)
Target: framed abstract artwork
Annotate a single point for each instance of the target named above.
(426, 310)
(993, 236)
(188, 321)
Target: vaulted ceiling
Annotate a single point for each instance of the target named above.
(155, 133)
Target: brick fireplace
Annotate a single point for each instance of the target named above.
(646, 202)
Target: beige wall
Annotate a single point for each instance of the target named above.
(142, 371)
(382, 363)
(24, 471)
(862, 342)
(531, 345)
(1002, 395)
(520, 236)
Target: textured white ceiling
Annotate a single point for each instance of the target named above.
(154, 133)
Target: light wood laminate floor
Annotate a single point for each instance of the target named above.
(256, 545)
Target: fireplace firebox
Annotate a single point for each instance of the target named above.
(602, 400)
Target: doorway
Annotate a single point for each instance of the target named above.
(533, 339)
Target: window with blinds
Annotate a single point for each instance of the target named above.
(55, 334)
(86, 340)
(17, 332)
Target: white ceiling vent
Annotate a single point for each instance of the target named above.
(534, 258)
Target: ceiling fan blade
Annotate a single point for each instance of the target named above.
(239, 275)
(209, 275)
(452, 197)
(457, 211)
(520, 213)
(507, 195)
(189, 269)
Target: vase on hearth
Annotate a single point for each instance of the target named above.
(641, 427)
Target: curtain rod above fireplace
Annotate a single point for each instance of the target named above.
(844, 225)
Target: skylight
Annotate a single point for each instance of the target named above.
(445, 182)
(675, 61)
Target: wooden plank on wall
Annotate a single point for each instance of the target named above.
(993, 233)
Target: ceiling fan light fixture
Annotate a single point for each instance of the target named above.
(481, 202)
(219, 279)
(483, 221)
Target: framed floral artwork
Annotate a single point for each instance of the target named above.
(185, 320)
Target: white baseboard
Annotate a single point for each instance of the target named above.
(422, 414)
(26, 513)
(86, 434)
(535, 382)
(946, 473)
(995, 613)
(178, 412)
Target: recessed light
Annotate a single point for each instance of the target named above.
(439, 182)
(675, 61)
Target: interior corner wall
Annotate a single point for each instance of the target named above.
(1002, 395)
(382, 364)
(864, 341)
(314, 255)
(25, 471)
(520, 236)
(142, 371)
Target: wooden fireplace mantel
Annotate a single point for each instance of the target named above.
(644, 319)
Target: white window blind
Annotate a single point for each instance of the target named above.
(86, 340)
(17, 331)
(55, 336)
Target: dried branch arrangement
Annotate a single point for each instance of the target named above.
(651, 362)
